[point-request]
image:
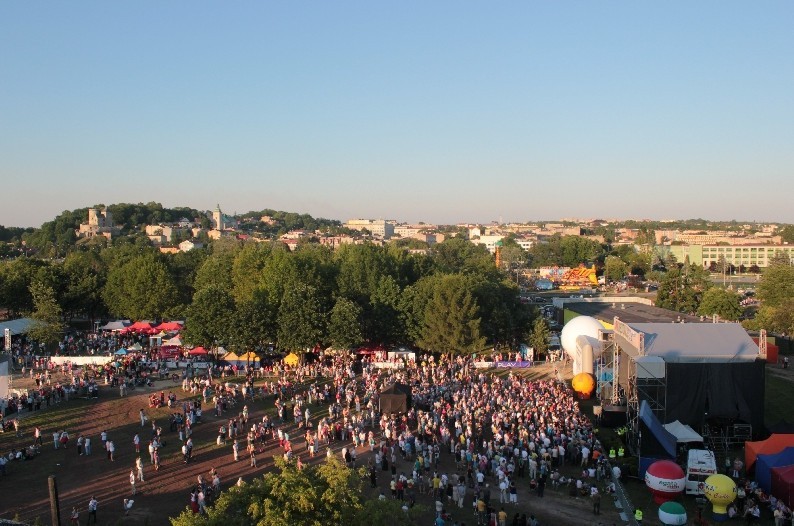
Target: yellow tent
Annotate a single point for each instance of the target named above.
(292, 359)
(230, 357)
(248, 357)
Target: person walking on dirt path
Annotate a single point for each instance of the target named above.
(56, 439)
(74, 517)
(37, 436)
(143, 418)
(132, 481)
(87, 446)
(139, 467)
(92, 506)
(136, 440)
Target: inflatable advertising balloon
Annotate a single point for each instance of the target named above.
(720, 490)
(672, 514)
(665, 479)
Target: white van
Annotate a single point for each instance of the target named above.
(700, 465)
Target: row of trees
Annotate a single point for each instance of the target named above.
(246, 294)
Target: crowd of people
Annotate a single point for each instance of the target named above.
(471, 440)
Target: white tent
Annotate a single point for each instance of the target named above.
(682, 432)
(115, 325)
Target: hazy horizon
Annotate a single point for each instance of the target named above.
(442, 112)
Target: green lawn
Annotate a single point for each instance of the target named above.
(778, 399)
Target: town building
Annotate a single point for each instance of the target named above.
(382, 228)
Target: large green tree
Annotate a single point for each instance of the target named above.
(253, 323)
(48, 326)
(452, 320)
(344, 324)
(776, 292)
(724, 303)
(141, 288)
(210, 317)
(539, 338)
(682, 288)
(301, 321)
(84, 274)
(329, 493)
(615, 268)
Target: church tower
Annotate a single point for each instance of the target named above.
(217, 218)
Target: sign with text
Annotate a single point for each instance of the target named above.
(635, 338)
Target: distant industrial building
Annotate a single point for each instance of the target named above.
(737, 255)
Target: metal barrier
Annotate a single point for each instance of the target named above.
(622, 498)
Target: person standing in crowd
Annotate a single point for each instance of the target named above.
(92, 506)
(132, 481)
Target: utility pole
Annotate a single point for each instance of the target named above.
(55, 509)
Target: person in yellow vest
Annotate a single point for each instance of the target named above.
(638, 516)
(621, 452)
(612, 453)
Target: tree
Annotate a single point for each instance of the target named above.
(141, 288)
(724, 303)
(385, 324)
(776, 291)
(452, 322)
(301, 323)
(777, 284)
(344, 324)
(615, 268)
(48, 326)
(456, 255)
(253, 323)
(539, 338)
(787, 234)
(16, 277)
(314, 496)
(681, 289)
(209, 317)
(84, 275)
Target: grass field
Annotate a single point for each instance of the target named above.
(779, 399)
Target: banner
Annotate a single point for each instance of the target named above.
(503, 365)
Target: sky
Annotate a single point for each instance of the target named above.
(442, 112)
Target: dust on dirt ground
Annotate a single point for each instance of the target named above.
(164, 494)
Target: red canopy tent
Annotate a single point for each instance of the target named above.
(139, 326)
(168, 326)
(198, 351)
(783, 484)
(772, 445)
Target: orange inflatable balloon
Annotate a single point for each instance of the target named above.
(583, 384)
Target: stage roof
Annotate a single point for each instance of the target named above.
(697, 342)
(628, 311)
(18, 326)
